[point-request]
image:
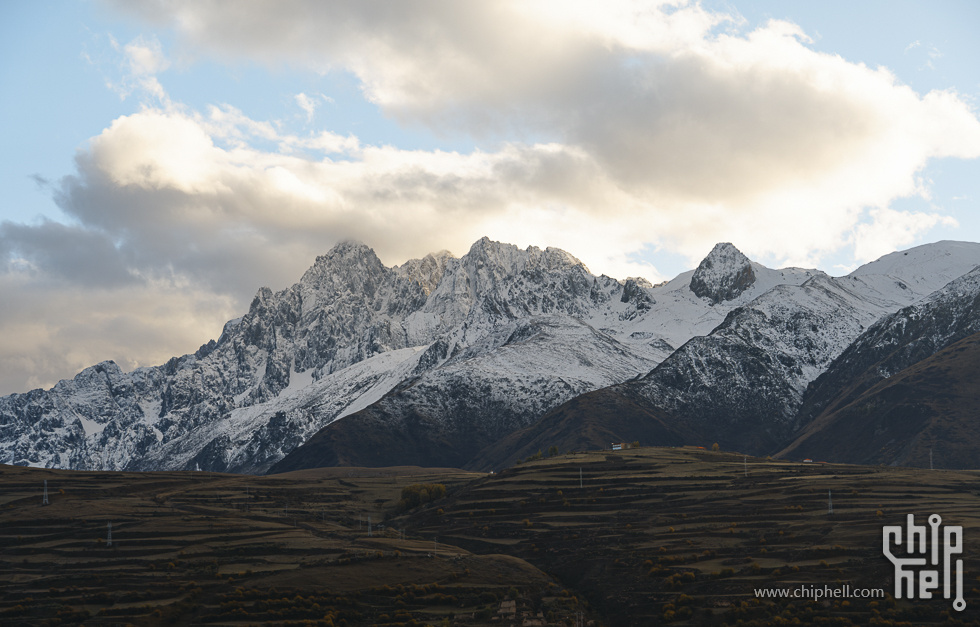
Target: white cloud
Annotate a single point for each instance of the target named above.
(890, 229)
(142, 60)
(145, 57)
(655, 124)
(307, 104)
(694, 120)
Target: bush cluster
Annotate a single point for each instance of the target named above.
(420, 494)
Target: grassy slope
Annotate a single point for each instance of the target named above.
(687, 534)
(187, 551)
(654, 535)
(931, 405)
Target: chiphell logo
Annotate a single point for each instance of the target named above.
(927, 550)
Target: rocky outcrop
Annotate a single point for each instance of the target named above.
(723, 274)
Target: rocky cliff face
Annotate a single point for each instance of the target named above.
(346, 334)
(446, 355)
(723, 274)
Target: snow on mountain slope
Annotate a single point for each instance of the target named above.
(673, 313)
(241, 402)
(895, 343)
(742, 384)
(252, 438)
(498, 330)
(910, 275)
(444, 416)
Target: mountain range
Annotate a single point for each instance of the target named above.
(483, 360)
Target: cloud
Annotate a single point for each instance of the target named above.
(613, 130)
(889, 229)
(679, 109)
(185, 193)
(51, 332)
(307, 104)
(142, 59)
(69, 253)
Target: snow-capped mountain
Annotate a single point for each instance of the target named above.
(742, 384)
(882, 395)
(342, 337)
(448, 355)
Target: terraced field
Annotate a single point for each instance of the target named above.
(686, 535)
(639, 537)
(194, 548)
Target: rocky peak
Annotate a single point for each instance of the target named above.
(723, 274)
(427, 271)
(635, 290)
(556, 259)
(488, 253)
(349, 265)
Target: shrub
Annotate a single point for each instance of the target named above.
(421, 493)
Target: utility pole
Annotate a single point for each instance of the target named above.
(369, 527)
(580, 478)
(108, 540)
(830, 503)
(930, 459)
(44, 501)
(745, 464)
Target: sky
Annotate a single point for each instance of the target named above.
(163, 160)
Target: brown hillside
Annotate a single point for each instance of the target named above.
(932, 405)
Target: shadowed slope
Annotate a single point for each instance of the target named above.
(928, 407)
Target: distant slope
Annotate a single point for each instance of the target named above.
(895, 343)
(446, 415)
(872, 376)
(743, 384)
(929, 407)
(588, 422)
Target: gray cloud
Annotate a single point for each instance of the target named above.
(652, 127)
(70, 253)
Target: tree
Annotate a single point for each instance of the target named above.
(715, 447)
